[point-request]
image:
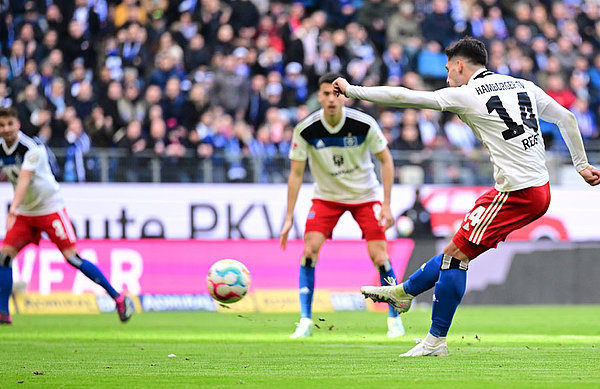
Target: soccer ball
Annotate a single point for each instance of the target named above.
(405, 226)
(228, 281)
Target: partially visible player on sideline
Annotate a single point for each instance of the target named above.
(37, 207)
(503, 113)
(338, 143)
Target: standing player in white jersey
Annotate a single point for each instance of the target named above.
(503, 113)
(37, 207)
(338, 143)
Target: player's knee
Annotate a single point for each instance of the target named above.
(75, 260)
(5, 259)
(383, 266)
(450, 262)
(310, 251)
(380, 260)
(452, 250)
(308, 261)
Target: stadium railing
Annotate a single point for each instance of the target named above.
(412, 167)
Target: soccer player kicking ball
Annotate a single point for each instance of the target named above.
(338, 143)
(37, 207)
(503, 113)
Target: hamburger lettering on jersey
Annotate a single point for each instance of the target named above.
(502, 111)
(340, 157)
(43, 194)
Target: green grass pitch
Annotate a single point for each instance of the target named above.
(503, 347)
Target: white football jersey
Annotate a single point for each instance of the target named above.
(340, 157)
(502, 111)
(43, 193)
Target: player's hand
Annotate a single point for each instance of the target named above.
(339, 86)
(386, 220)
(285, 230)
(10, 219)
(591, 175)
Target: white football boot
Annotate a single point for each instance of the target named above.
(395, 327)
(431, 346)
(393, 295)
(303, 329)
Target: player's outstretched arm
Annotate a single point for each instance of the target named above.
(387, 95)
(294, 183)
(551, 111)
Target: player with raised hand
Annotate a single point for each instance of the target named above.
(37, 207)
(503, 113)
(338, 143)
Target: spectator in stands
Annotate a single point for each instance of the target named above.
(257, 104)
(58, 98)
(5, 99)
(197, 54)
(327, 61)
(173, 101)
(409, 137)
(84, 100)
(131, 140)
(559, 92)
(585, 119)
(460, 135)
(374, 15)
(133, 50)
(77, 45)
(29, 105)
(394, 62)
(438, 24)
(99, 128)
(230, 91)
(295, 85)
(165, 70)
(266, 151)
(129, 11)
(130, 106)
(77, 144)
(195, 104)
(16, 59)
(432, 64)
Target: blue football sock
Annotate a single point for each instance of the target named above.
(447, 295)
(93, 273)
(306, 289)
(6, 284)
(385, 272)
(424, 278)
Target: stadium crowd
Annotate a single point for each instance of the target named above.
(223, 80)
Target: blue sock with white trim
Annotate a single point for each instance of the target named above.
(447, 295)
(306, 283)
(425, 277)
(386, 275)
(93, 273)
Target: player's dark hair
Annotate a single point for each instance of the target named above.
(8, 112)
(469, 48)
(328, 78)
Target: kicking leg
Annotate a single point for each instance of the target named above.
(123, 303)
(420, 281)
